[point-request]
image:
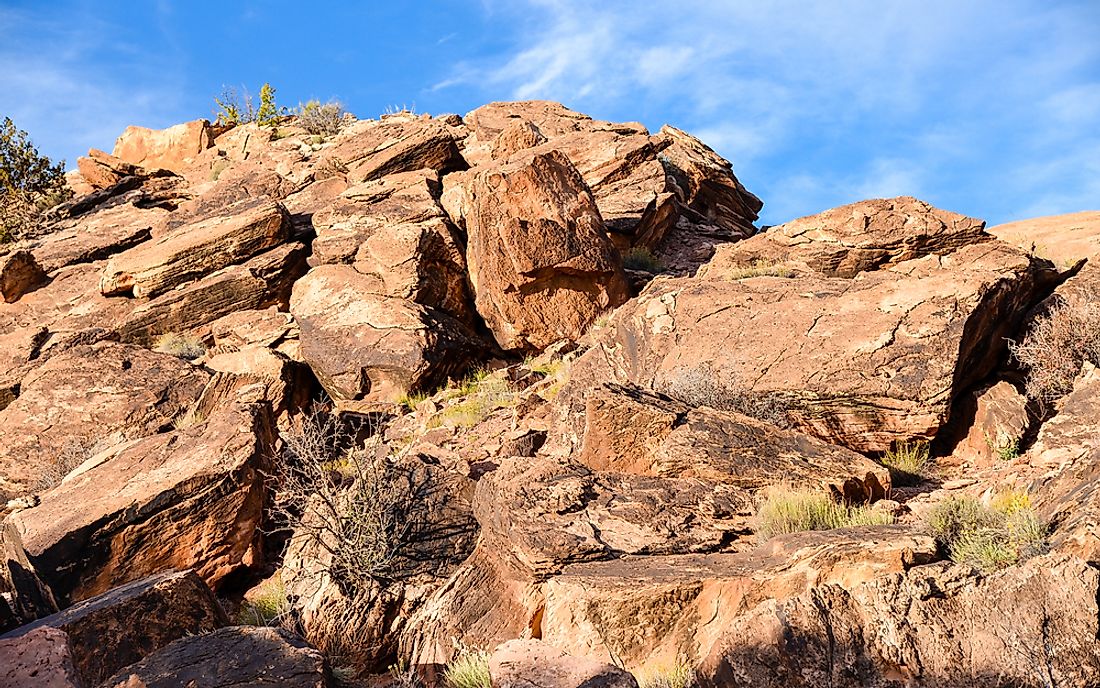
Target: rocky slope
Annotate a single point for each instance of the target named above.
(529, 392)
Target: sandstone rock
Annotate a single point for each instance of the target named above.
(241, 184)
(18, 349)
(566, 514)
(271, 327)
(284, 384)
(658, 609)
(101, 170)
(263, 281)
(1063, 239)
(172, 148)
(190, 498)
(41, 658)
(1000, 421)
(197, 250)
(1032, 625)
(70, 304)
(629, 431)
(859, 362)
(76, 183)
(120, 627)
(23, 595)
(19, 273)
(241, 657)
(868, 235)
(534, 664)
(541, 265)
(373, 149)
(1066, 459)
(96, 235)
(363, 346)
(91, 396)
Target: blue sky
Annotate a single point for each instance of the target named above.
(987, 107)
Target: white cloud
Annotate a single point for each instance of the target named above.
(55, 85)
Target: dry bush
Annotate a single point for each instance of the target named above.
(66, 458)
(183, 346)
(358, 506)
(1056, 344)
(321, 119)
(702, 386)
(760, 268)
(785, 510)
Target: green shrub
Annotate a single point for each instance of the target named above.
(269, 606)
(29, 184)
(1005, 447)
(234, 109)
(988, 538)
(908, 462)
(641, 258)
(268, 113)
(786, 510)
(470, 669)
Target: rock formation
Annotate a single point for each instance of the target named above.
(528, 396)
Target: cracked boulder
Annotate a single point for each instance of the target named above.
(87, 399)
(860, 362)
(541, 264)
(367, 347)
(189, 498)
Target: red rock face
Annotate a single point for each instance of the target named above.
(568, 335)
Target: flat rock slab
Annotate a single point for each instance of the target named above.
(196, 250)
(233, 657)
(42, 658)
(859, 362)
(535, 664)
(188, 498)
(121, 626)
(87, 399)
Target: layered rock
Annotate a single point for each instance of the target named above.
(373, 149)
(196, 250)
(861, 362)
(541, 265)
(173, 148)
(238, 656)
(20, 273)
(629, 431)
(944, 626)
(120, 627)
(87, 398)
(23, 595)
(190, 498)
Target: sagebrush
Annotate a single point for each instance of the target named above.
(1056, 345)
(321, 119)
(1005, 532)
(704, 386)
(789, 510)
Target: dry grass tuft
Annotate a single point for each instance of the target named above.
(787, 510)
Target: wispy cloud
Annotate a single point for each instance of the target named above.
(57, 84)
(938, 98)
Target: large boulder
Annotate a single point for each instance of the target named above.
(90, 397)
(535, 664)
(541, 264)
(936, 626)
(368, 347)
(393, 231)
(233, 657)
(190, 498)
(657, 609)
(121, 626)
(862, 362)
(42, 658)
(173, 148)
(630, 431)
(196, 250)
(1063, 239)
(96, 235)
(867, 235)
(372, 149)
(261, 282)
